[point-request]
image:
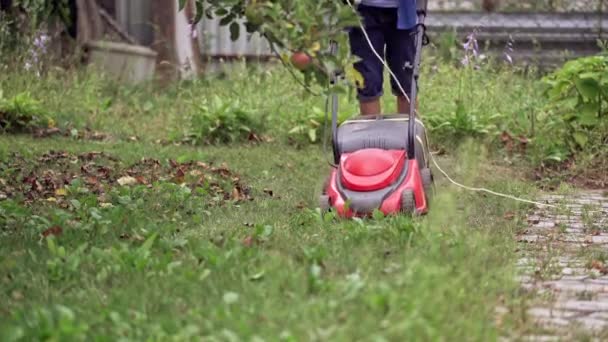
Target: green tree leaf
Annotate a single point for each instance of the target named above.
(200, 10)
(182, 4)
(312, 135)
(235, 30)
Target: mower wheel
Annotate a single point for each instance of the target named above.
(427, 183)
(408, 202)
(324, 203)
(326, 183)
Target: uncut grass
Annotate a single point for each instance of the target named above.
(495, 99)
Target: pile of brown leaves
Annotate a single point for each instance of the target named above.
(46, 177)
(591, 176)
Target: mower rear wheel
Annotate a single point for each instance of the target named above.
(408, 202)
(427, 183)
(324, 204)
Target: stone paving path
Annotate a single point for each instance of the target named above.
(564, 267)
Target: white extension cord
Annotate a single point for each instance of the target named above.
(469, 188)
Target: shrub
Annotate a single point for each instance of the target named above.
(219, 120)
(575, 117)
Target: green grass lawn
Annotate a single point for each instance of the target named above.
(162, 260)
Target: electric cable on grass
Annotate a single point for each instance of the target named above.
(469, 188)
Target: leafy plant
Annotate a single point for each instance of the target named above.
(63, 265)
(219, 121)
(463, 122)
(579, 103)
(21, 112)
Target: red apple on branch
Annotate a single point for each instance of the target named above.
(301, 60)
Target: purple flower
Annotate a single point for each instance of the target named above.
(471, 49)
(41, 41)
(39, 48)
(471, 44)
(508, 50)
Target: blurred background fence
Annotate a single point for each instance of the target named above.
(540, 32)
(518, 5)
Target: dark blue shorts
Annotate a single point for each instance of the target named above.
(397, 46)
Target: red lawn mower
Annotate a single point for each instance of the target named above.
(381, 163)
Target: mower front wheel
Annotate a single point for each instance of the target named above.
(408, 202)
(324, 203)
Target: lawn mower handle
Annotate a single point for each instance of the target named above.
(421, 6)
(333, 79)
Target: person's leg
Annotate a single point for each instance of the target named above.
(400, 53)
(403, 104)
(369, 66)
(370, 107)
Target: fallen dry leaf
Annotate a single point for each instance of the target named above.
(598, 265)
(95, 136)
(92, 180)
(203, 165)
(196, 173)
(236, 195)
(248, 241)
(17, 295)
(253, 137)
(141, 180)
(523, 140)
(180, 176)
(127, 180)
(42, 133)
(55, 231)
